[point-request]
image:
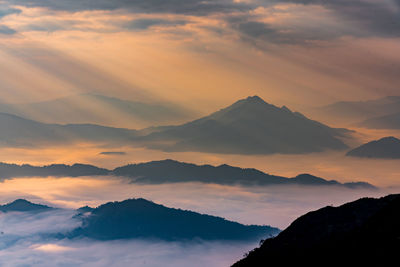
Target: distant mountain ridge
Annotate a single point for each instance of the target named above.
(353, 112)
(171, 171)
(385, 148)
(22, 205)
(24, 132)
(87, 109)
(249, 126)
(26, 170)
(361, 233)
(391, 121)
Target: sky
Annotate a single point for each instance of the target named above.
(192, 57)
(200, 54)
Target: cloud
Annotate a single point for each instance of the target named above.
(6, 10)
(122, 253)
(283, 22)
(192, 7)
(277, 206)
(26, 239)
(379, 18)
(146, 23)
(6, 30)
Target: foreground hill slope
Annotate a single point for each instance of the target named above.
(249, 126)
(385, 148)
(360, 232)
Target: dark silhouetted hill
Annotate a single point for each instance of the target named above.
(385, 148)
(140, 218)
(23, 205)
(365, 232)
(170, 171)
(14, 170)
(249, 126)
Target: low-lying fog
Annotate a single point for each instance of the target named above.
(22, 243)
(274, 205)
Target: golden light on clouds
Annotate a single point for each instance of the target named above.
(199, 59)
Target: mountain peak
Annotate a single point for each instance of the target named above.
(285, 108)
(22, 205)
(249, 101)
(254, 98)
(389, 139)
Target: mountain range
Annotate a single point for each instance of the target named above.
(89, 108)
(143, 219)
(385, 148)
(378, 113)
(23, 132)
(249, 126)
(170, 171)
(361, 233)
(391, 121)
(57, 170)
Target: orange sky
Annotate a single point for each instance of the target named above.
(59, 52)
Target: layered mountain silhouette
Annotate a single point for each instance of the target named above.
(140, 218)
(171, 171)
(89, 108)
(353, 112)
(391, 121)
(385, 148)
(361, 233)
(57, 170)
(143, 219)
(23, 132)
(249, 126)
(22, 205)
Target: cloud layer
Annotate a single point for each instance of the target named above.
(276, 21)
(24, 242)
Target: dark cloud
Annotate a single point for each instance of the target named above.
(381, 18)
(357, 18)
(145, 23)
(5, 11)
(6, 30)
(193, 7)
